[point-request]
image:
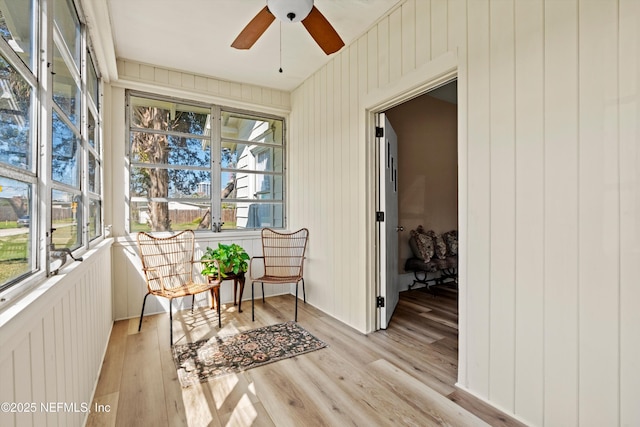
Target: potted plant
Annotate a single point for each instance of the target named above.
(232, 259)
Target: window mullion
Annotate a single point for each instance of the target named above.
(167, 133)
(45, 151)
(84, 163)
(257, 144)
(216, 144)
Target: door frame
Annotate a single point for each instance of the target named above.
(418, 82)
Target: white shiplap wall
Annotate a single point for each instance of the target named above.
(327, 151)
(628, 182)
(549, 193)
(52, 349)
(208, 89)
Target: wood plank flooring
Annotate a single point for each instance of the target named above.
(402, 376)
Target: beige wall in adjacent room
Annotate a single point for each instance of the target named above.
(427, 172)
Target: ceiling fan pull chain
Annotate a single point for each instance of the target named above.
(280, 70)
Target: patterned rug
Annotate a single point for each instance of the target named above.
(203, 360)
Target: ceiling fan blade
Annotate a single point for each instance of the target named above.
(254, 29)
(322, 32)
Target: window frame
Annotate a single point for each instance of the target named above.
(254, 172)
(29, 175)
(215, 166)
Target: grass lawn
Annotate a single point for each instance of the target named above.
(13, 257)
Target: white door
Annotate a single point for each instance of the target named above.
(388, 222)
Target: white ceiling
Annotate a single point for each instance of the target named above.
(195, 36)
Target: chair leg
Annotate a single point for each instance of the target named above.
(304, 292)
(193, 301)
(170, 321)
(142, 312)
(218, 303)
(262, 292)
(296, 315)
(253, 311)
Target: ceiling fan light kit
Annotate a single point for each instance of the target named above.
(290, 10)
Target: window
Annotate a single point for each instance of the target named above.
(65, 139)
(252, 174)
(181, 151)
(18, 121)
(17, 25)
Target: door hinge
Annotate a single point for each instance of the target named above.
(379, 132)
(380, 216)
(379, 301)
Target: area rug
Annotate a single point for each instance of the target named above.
(203, 360)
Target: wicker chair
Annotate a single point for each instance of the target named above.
(282, 261)
(168, 264)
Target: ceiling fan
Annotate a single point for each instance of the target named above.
(291, 11)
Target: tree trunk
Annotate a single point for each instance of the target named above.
(159, 211)
(154, 148)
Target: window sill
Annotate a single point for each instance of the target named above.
(200, 235)
(17, 298)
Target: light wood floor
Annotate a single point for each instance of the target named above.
(404, 375)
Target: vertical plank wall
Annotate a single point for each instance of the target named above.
(629, 181)
(52, 350)
(550, 193)
(327, 165)
(529, 129)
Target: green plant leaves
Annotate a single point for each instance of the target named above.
(232, 258)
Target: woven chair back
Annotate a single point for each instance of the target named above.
(167, 261)
(284, 252)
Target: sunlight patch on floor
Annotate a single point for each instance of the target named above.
(244, 414)
(224, 387)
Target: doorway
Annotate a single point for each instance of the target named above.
(427, 183)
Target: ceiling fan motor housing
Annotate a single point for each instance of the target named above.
(290, 10)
